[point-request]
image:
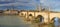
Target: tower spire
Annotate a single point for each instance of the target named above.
(38, 5)
(12, 7)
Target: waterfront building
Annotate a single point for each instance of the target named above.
(11, 12)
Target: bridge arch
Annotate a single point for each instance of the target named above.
(41, 18)
(54, 19)
(30, 15)
(22, 14)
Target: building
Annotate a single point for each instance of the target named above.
(11, 12)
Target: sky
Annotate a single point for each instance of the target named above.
(29, 4)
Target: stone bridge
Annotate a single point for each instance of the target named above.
(47, 16)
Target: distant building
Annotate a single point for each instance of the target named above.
(11, 12)
(1, 11)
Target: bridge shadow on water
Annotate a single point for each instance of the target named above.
(57, 22)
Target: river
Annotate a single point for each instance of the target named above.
(12, 21)
(17, 21)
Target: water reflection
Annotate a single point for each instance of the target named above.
(56, 23)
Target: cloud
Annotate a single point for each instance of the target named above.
(51, 3)
(19, 2)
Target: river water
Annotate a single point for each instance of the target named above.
(13, 21)
(17, 21)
